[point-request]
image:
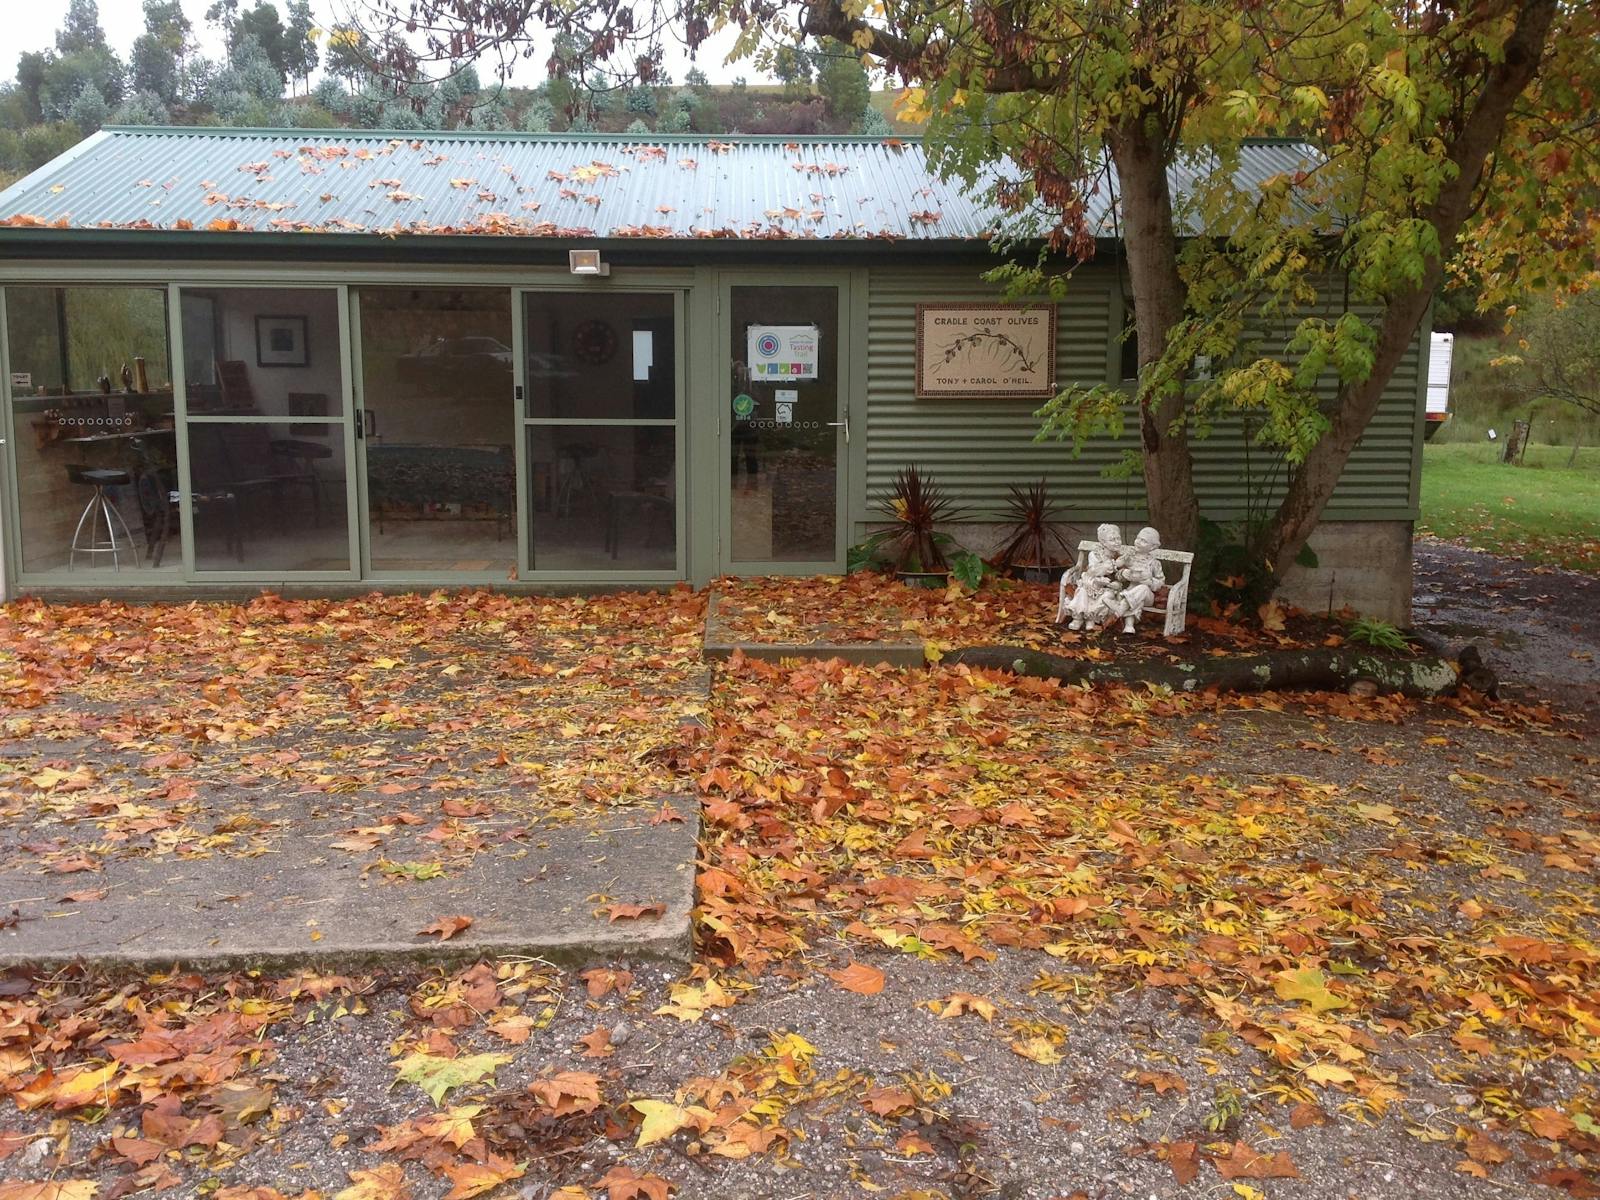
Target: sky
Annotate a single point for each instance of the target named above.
(32, 25)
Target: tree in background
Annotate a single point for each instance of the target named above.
(52, 82)
(540, 115)
(874, 124)
(1560, 351)
(89, 111)
(792, 66)
(247, 89)
(157, 60)
(347, 58)
(31, 67)
(640, 101)
(141, 108)
(842, 83)
(264, 26)
(80, 30)
(300, 55)
(224, 14)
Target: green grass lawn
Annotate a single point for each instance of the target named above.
(1543, 511)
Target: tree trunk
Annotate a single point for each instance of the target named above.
(1312, 484)
(1138, 148)
(1577, 444)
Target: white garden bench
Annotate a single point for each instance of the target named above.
(1172, 601)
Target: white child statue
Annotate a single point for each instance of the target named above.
(1094, 601)
(1140, 577)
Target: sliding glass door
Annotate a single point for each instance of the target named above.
(602, 438)
(436, 432)
(268, 463)
(222, 432)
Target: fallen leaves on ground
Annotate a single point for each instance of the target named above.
(446, 927)
(960, 875)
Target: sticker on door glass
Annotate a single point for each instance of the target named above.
(783, 351)
(743, 405)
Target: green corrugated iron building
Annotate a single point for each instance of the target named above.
(326, 359)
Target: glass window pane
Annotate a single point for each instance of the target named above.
(436, 390)
(603, 497)
(92, 406)
(785, 445)
(606, 355)
(262, 352)
(266, 500)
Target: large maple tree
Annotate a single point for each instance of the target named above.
(1438, 136)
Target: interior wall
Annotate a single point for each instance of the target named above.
(237, 310)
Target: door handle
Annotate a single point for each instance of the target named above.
(845, 425)
(370, 418)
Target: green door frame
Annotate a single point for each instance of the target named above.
(846, 403)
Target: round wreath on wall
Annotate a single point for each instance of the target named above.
(594, 342)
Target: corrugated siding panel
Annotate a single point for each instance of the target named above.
(977, 449)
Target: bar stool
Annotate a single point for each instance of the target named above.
(98, 510)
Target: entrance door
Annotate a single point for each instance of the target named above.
(601, 415)
(436, 431)
(785, 427)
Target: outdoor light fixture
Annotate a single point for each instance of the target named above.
(587, 262)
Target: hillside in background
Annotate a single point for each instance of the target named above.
(279, 71)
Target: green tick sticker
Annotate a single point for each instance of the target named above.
(743, 405)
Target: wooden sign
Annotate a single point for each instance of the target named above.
(995, 350)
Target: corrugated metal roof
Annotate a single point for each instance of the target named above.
(530, 185)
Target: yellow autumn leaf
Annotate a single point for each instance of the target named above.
(663, 1120)
(453, 1125)
(957, 1003)
(474, 1179)
(1308, 985)
(86, 1087)
(1326, 1073)
(1038, 1049)
(385, 1182)
(59, 1189)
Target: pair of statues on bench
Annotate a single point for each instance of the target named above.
(1112, 581)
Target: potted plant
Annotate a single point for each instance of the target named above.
(912, 546)
(1035, 546)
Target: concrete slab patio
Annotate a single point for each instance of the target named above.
(287, 782)
(548, 894)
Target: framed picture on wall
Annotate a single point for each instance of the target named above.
(281, 342)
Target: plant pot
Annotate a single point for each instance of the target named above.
(932, 580)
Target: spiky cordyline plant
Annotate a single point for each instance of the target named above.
(915, 505)
(1035, 540)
